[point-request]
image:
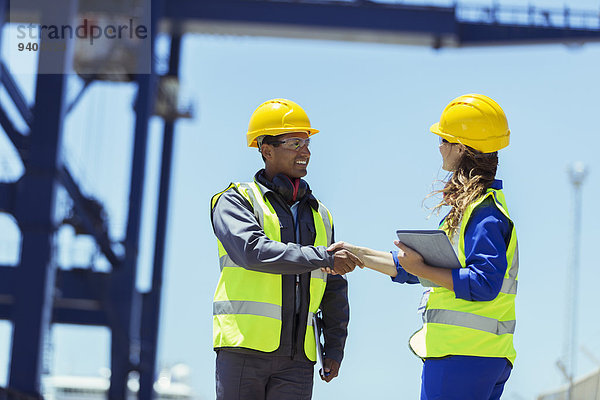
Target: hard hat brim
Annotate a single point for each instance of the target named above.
(435, 128)
(488, 145)
(276, 132)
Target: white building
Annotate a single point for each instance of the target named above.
(585, 388)
(170, 385)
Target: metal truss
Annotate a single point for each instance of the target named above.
(456, 26)
(37, 293)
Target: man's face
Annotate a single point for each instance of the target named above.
(282, 158)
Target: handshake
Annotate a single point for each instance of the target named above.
(346, 257)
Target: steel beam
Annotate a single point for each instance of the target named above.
(6, 307)
(25, 10)
(478, 34)
(81, 298)
(122, 287)
(125, 331)
(330, 20)
(375, 22)
(18, 140)
(7, 292)
(152, 300)
(15, 93)
(79, 204)
(368, 21)
(35, 214)
(325, 14)
(86, 85)
(3, 12)
(7, 197)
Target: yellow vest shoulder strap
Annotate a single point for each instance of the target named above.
(213, 200)
(499, 201)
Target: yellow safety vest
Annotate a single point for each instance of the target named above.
(247, 306)
(454, 326)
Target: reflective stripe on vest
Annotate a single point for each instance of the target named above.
(247, 307)
(468, 320)
(479, 328)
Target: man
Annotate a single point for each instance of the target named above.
(273, 234)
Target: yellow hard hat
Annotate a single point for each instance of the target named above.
(276, 117)
(476, 121)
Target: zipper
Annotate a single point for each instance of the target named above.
(296, 295)
(296, 315)
(296, 286)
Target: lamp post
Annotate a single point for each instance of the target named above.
(577, 173)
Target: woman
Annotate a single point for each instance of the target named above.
(469, 319)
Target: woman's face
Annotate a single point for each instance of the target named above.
(451, 154)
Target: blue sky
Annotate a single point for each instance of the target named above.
(372, 164)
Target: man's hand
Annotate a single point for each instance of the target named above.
(331, 368)
(343, 260)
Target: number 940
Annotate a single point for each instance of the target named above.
(28, 46)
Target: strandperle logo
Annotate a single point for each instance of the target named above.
(86, 30)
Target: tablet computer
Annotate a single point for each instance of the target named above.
(434, 246)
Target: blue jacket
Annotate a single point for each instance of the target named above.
(486, 238)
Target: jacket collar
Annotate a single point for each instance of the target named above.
(268, 186)
(497, 184)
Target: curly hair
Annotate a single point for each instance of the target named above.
(475, 173)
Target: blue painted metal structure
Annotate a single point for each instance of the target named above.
(35, 198)
(37, 293)
(123, 296)
(151, 300)
(456, 25)
(27, 293)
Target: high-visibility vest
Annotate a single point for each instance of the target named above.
(454, 326)
(247, 306)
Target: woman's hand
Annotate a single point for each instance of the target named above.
(347, 254)
(409, 259)
(380, 261)
(344, 246)
(413, 263)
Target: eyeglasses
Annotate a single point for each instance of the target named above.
(291, 143)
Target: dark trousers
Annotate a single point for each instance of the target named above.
(251, 377)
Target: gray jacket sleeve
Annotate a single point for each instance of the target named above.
(335, 310)
(336, 315)
(248, 246)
